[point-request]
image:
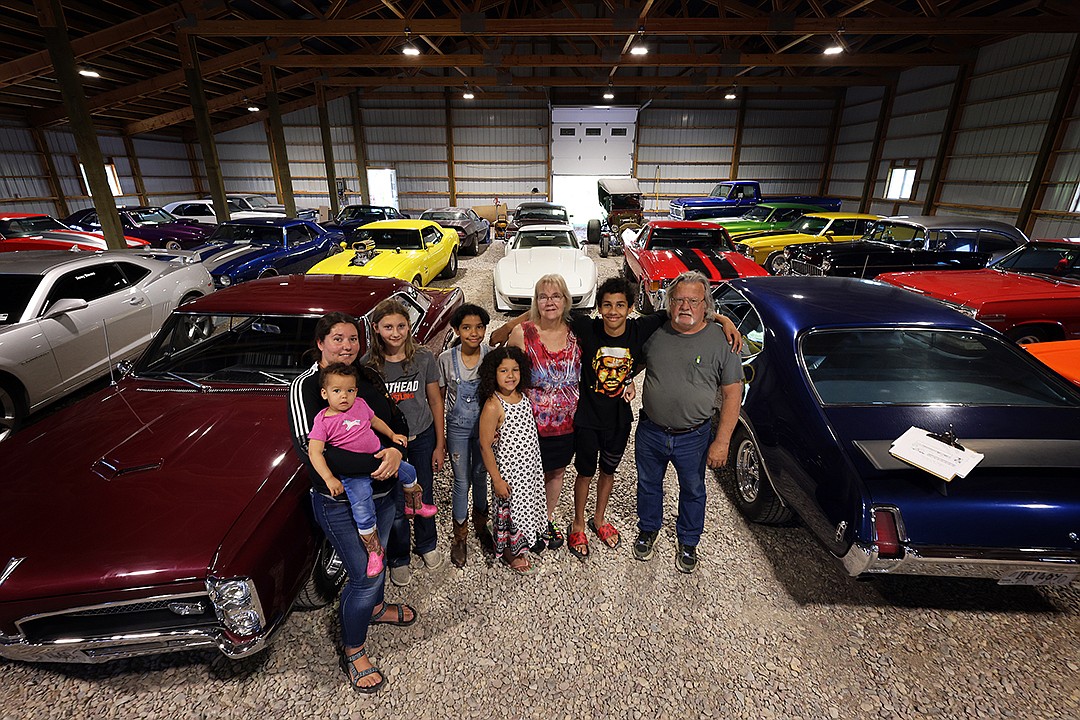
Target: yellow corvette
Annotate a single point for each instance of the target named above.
(767, 248)
(416, 251)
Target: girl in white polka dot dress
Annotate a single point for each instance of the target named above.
(511, 449)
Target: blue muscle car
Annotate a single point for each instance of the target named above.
(839, 369)
(240, 250)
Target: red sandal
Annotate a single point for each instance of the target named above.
(578, 543)
(607, 533)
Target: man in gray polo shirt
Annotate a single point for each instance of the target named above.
(686, 362)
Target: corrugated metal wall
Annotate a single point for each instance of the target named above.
(854, 144)
(500, 150)
(22, 174)
(1061, 201)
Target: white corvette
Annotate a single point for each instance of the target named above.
(538, 250)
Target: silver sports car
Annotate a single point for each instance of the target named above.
(66, 317)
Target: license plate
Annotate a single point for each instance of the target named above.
(1030, 577)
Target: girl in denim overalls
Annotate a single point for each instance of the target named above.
(459, 379)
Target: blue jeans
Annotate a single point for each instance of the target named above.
(358, 490)
(361, 594)
(468, 466)
(397, 550)
(653, 450)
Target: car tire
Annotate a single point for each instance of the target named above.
(1029, 335)
(13, 409)
(268, 272)
(418, 281)
(592, 232)
(188, 298)
(774, 261)
(171, 244)
(473, 247)
(627, 272)
(450, 270)
(605, 246)
(327, 577)
(750, 488)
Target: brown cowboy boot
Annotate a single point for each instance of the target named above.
(483, 533)
(458, 549)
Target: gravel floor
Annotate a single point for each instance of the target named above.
(766, 628)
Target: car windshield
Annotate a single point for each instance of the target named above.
(443, 216)
(720, 191)
(15, 293)
(24, 227)
(247, 234)
(364, 214)
(542, 214)
(544, 238)
(701, 238)
(1043, 259)
(625, 202)
(246, 349)
(889, 366)
(153, 216)
(759, 213)
(905, 236)
(809, 225)
(257, 201)
(391, 238)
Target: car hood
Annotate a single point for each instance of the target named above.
(520, 269)
(700, 201)
(976, 287)
(231, 258)
(716, 265)
(141, 486)
(1024, 493)
(385, 263)
(94, 238)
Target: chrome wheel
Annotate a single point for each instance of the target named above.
(747, 471)
(172, 245)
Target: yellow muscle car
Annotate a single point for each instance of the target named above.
(416, 251)
(767, 247)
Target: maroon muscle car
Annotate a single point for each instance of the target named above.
(170, 511)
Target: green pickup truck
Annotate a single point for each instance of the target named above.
(766, 216)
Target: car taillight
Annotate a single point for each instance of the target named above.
(888, 538)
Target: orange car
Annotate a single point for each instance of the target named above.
(1063, 357)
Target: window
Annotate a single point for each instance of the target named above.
(110, 174)
(901, 182)
(567, 132)
(134, 273)
(88, 283)
(618, 132)
(737, 309)
(592, 132)
(995, 244)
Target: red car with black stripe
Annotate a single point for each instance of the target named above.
(664, 249)
(34, 231)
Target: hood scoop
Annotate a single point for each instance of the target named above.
(111, 468)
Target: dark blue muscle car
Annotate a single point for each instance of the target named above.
(241, 250)
(838, 369)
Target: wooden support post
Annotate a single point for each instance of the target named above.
(1055, 133)
(359, 146)
(879, 142)
(280, 155)
(51, 19)
(947, 140)
(450, 180)
(830, 148)
(193, 164)
(51, 175)
(736, 149)
(189, 58)
(136, 173)
(327, 149)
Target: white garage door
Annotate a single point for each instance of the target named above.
(592, 140)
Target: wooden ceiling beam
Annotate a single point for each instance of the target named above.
(601, 81)
(702, 27)
(816, 60)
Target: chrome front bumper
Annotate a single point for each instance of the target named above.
(97, 650)
(994, 564)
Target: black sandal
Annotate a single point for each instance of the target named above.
(400, 615)
(355, 675)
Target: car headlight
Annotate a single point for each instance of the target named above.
(236, 604)
(744, 249)
(223, 280)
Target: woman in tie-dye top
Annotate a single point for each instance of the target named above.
(556, 375)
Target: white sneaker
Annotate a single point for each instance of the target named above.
(401, 575)
(432, 559)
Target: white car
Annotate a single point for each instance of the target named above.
(203, 211)
(538, 250)
(66, 318)
(250, 202)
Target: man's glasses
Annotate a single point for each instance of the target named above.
(692, 302)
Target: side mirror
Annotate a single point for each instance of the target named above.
(64, 306)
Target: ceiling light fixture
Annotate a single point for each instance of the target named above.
(468, 94)
(409, 49)
(730, 95)
(609, 94)
(253, 108)
(833, 50)
(86, 72)
(639, 46)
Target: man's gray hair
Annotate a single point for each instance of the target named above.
(687, 278)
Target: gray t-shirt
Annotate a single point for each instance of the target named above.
(447, 378)
(409, 388)
(683, 374)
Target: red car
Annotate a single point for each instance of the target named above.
(1031, 295)
(664, 249)
(33, 231)
(170, 511)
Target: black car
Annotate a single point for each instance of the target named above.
(902, 243)
(352, 217)
(536, 213)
